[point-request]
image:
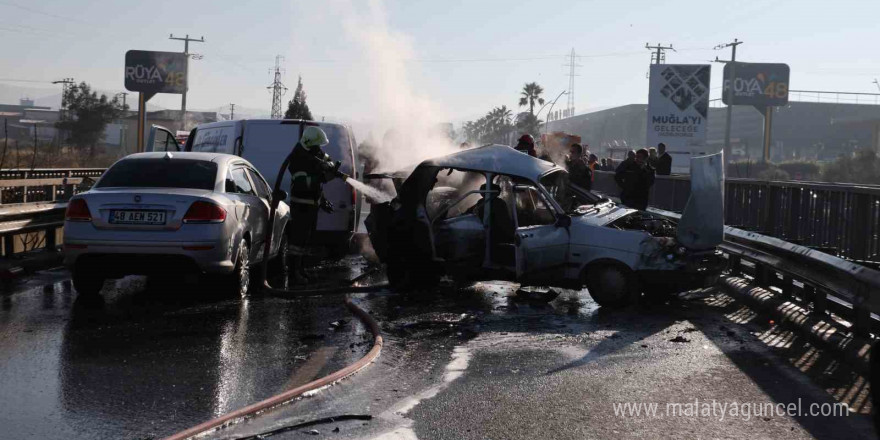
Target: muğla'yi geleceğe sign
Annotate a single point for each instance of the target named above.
(155, 72)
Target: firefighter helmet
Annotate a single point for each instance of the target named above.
(314, 137)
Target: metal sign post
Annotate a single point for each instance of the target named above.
(768, 131)
(761, 85)
(150, 73)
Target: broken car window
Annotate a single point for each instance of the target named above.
(568, 197)
(531, 209)
(449, 186)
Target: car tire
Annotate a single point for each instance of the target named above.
(239, 281)
(87, 284)
(612, 285)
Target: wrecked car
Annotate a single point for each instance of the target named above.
(494, 213)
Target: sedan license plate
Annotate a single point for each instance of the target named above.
(137, 217)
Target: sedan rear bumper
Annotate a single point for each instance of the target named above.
(119, 258)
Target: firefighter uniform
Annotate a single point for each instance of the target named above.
(309, 169)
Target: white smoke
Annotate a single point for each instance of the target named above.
(404, 120)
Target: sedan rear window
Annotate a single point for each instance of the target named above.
(160, 173)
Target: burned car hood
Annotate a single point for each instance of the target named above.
(603, 214)
(702, 223)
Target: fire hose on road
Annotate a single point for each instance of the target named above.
(287, 396)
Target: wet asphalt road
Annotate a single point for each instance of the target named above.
(155, 359)
(475, 361)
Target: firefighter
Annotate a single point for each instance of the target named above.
(526, 144)
(309, 169)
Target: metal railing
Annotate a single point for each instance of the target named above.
(842, 220)
(31, 226)
(49, 173)
(44, 184)
(821, 283)
(821, 96)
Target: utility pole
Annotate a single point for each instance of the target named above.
(186, 41)
(231, 112)
(5, 141)
(658, 57)
(124, 131)
(278, 89)
(730, 86)
(572, 69)
(34, 158)
(877, 83)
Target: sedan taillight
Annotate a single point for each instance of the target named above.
(204, 212)
(78, 211)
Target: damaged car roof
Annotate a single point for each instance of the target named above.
(496, 159)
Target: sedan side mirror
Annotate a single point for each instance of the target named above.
(279, 195)
(563, 221)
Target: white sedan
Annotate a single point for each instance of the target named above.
(167, 214)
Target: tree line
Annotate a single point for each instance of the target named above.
(497, 125)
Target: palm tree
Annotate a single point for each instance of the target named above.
(531, 93)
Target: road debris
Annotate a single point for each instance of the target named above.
(338, 325)
(297, 426)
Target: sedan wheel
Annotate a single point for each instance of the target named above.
(611, 286)
(241, 275)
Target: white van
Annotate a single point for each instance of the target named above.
(266, 142)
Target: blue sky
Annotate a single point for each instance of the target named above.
(463, 56)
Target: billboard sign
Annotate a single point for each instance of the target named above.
(757, 84)
(155, 72)
(678, 106)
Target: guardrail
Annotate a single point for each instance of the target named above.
(841, 220)
(821, 283)
(31, 226)
(44, 184)
(48, 173)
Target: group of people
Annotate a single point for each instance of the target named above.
(634, 176)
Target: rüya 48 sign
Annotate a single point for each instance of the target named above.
(155, 72)
(757, 84)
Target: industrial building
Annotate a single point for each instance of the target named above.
(801, 130)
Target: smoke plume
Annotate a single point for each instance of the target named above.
(405, 121)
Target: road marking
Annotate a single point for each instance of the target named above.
(461, 357)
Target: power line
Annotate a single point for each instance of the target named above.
(33, 32)
(658, 53)
(25, 29)
(24, 80)
(48, 14)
